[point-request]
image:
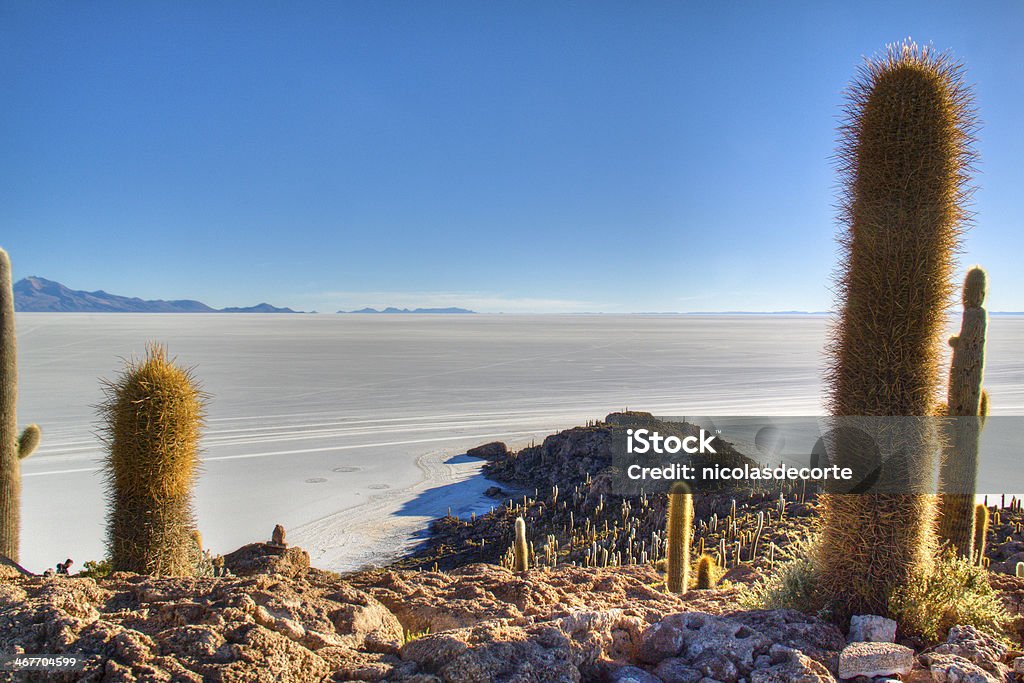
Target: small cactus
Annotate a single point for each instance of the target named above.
(980, 531)
(521, 549)
(706, 570)
(1019, 570)
(678, 528)
(153, 416)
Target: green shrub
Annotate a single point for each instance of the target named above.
(93, 569)
(957, 592)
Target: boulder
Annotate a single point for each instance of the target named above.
(976, 647)
(875, 659)
(797, 668)
(495, 450)
(728, 648)
(677, 670)
(871, 628)
(947, 668)
(633, 674)
(267, 558)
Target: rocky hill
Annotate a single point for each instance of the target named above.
(39, 295)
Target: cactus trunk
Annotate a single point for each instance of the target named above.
(13, 448)
(959, 472)
(678, 527)
(905, 157)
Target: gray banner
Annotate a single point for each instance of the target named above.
(892, 455)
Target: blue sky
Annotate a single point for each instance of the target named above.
(517, 157)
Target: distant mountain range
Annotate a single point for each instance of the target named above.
(39, 295)
(392, 309)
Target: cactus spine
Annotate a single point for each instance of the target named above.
(521, 549)
(980, 532)
(13, 447)
(678, 527)
(905, 157)
(959, 471)
(706, 569)
(153, 416)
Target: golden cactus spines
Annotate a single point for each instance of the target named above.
(14, 447)
(905, 156)
(521, 549)
(153, 418)
(678, 531)
(967, 403)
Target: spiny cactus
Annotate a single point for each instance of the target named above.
(13, 447)
(678, 528)
(980, 532)
(521, 548)
(153, 416)
(966, 406)
(706, 570)
(905, 156)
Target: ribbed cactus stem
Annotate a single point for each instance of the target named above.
(14, 447)
(521, 549)
(980, 532)
(905, 156)
(967, 403)
(678, 528)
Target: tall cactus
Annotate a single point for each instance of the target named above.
(959, 471)
(13, 447)
(521, 549)
(153, 416)
(679, 530)
(905, 156)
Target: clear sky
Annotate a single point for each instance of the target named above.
(514, 156)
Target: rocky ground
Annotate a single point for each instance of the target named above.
(273, 618)
(278, 620)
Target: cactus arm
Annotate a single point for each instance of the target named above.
(29, 441)
(968, 405)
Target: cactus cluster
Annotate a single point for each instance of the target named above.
(905, 156)
(14, 447)
(153, 415)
